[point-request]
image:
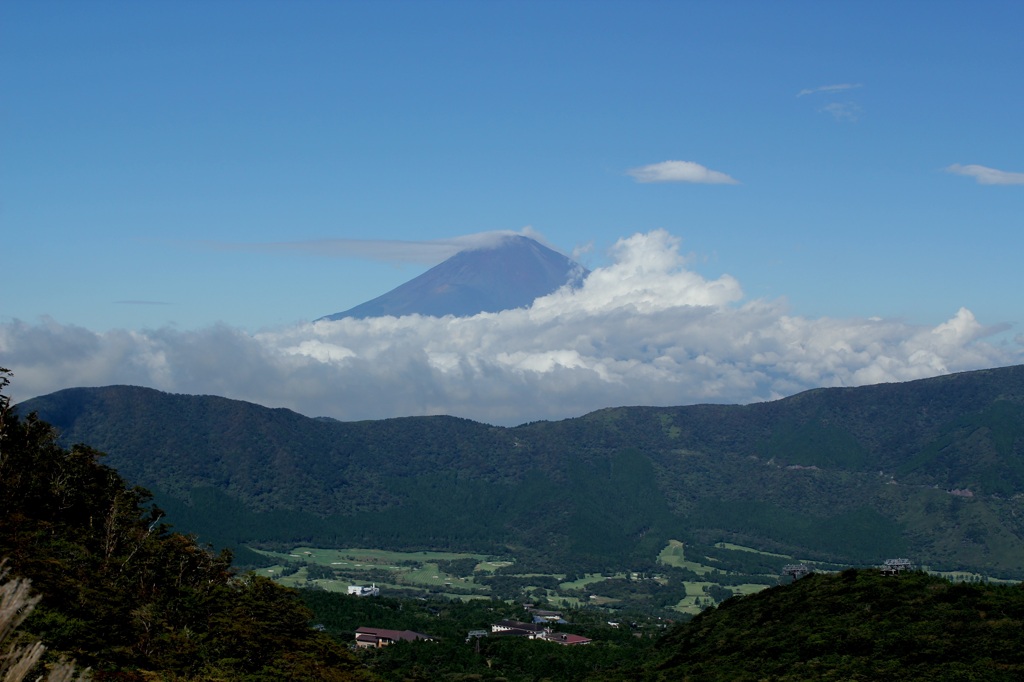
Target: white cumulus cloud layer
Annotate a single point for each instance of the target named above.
(644, 330)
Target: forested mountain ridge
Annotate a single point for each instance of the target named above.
(932, 468)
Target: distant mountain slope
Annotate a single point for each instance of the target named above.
(511, 274)
(934, 468)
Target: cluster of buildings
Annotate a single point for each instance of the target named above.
(535, 630)
(540, 629)
(364, 591)
(890, 567)
(896, 566)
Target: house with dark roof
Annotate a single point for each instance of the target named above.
(378, 637)
(564, 638)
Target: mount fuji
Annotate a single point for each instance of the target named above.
(507, 275)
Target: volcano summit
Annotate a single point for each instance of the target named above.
(510, 274)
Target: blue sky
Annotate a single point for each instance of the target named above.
(181, 169)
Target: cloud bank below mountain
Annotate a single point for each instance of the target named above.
(645, 330)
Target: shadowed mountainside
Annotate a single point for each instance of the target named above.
(931, 468)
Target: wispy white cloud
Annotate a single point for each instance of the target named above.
(829, 89)
(680, 171)
(848, 112)
(842, 111)
(643, 330)
(987, 176)
(388, 250)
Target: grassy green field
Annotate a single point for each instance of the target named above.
(675, 555)
(422, 572)
(394, 570)
(370, 558)
(398, 572)
(588, 579)
(741, 548)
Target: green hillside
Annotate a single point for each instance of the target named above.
(122, 594)
(855, 625)
(930, 468)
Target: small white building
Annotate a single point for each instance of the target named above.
(363, 591)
